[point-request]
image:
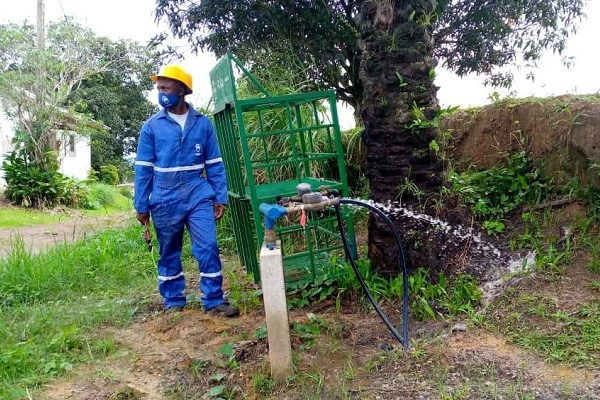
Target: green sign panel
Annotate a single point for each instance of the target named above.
(223, 85)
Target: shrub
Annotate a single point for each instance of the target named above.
(102, 194)
(495, 192)
(93, 175)
(126, 192)
(126, 172)
(29, 186)
(109, 174)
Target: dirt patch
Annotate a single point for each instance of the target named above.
(559, 131)
(41, 237)
(176, 356)
(478, 365)
(483, 342)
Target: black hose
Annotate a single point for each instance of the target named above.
(401, 260)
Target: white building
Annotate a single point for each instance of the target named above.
(75, 155)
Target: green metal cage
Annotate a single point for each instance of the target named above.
(269, 145)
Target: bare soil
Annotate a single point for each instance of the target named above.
(560, 132)
(176, 356)
(78, 227)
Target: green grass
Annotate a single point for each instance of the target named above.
(105, 198)
(52, 304)
(537, 323)
(123, 205)
(16, 217)
(540, 320)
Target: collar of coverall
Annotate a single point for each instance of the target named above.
(191, 110)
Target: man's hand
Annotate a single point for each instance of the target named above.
(143, 218)
(219, 211)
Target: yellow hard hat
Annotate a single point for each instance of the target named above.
(176, 72)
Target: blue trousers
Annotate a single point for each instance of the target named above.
(170, 219)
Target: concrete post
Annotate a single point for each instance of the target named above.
(278, 328)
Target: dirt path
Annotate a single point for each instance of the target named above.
(176, 357)
(40, 237)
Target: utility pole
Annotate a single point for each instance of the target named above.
(41, 44)
(40, 25)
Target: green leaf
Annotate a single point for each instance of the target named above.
(227, 349)
(215, 391)
(218, 377)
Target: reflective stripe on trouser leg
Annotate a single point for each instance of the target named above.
(171, 281)
(201, 225)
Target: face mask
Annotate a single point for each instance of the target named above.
(168, 100)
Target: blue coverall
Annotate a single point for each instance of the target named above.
(179, 176)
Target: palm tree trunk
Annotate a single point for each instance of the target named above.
(397, 75)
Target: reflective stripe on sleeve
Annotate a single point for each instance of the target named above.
(144, 163)
(214, 160)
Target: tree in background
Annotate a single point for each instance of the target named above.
(40, 95)
(116, 96)
(380, 57)
(318, 38)
(34, 86)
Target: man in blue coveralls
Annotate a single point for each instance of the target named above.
(180, 180)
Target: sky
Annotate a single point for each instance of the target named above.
(134, 20)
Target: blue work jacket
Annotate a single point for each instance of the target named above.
(167, 156)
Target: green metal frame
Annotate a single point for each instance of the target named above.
(255, 179)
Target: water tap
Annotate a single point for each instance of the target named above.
(304, 201)
(272, 212)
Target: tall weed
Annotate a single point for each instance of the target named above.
(50, 304)
(102, 194)
(429, 299)
(225, 233)
(494, 193)
(109, 261)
